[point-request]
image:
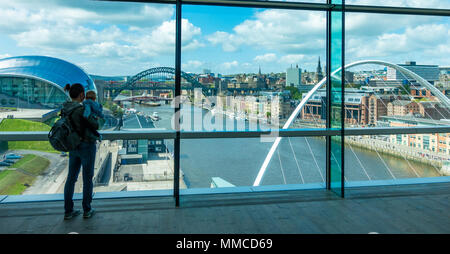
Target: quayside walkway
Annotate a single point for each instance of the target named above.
(417, 208)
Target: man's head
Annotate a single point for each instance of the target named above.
(76, 92)
(91, 95)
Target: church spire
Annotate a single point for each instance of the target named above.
(319, 68)
(319, 75)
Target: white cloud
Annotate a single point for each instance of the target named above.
(99, 31)
(17, 20)
(292, 59)
(230, 42)
(192, 66)
(426, 42)
(134, 33)
(269, 57)
(86, 11)
(120, 30)
(404, 3)
(59, 37)
(4, 56)
(284, 30)
(108, 49)
(162, 39)
(383, 36)
(229, 65)
(363, 24)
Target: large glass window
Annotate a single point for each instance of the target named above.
(243, 70)
(255, 65)
(383, 57)
(28, 93)
(237, 161)
(253, 68)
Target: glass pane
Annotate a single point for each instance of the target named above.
(249, 71)
(33, 167)
(389, 86)
(396, 78)
(142, 165)
(124, 51)
(237, 162)
(376, 158)
(336, 181)
(252, 65)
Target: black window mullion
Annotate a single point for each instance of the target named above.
(176, 183)
(343, 100)
(328, 93)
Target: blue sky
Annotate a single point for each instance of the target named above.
(115, 38)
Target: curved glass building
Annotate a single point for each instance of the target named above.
(38, 81)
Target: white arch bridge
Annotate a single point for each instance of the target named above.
(442, 97)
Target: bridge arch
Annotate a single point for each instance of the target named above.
(155, 70)
(442, 97)
(169, 70)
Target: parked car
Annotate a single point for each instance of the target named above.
(12, 156)
(2, 163)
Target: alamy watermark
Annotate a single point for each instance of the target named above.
(229, 113)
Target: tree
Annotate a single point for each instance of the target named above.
(406, 89)
(295, 93)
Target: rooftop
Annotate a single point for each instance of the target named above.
(411, 208)
(401, 102)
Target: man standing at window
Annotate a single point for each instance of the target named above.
(83, 155)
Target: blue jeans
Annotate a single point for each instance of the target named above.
(83, 155)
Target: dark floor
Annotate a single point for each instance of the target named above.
(421, 208)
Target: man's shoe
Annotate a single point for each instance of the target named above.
(68, 216)
(89, 214)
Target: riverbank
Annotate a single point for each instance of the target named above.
(399, 151)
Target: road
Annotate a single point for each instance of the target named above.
(53, 179)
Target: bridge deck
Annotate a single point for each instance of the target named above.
(421, 208)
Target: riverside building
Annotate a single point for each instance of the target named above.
(429, 72)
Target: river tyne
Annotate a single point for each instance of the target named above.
(297, 160)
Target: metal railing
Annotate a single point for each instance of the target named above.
(171, 134)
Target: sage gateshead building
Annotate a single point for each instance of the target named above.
(38, 81)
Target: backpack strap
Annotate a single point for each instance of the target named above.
(68, 114)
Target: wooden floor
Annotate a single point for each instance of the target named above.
(421, 208)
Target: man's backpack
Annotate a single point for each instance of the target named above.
(63, 136)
